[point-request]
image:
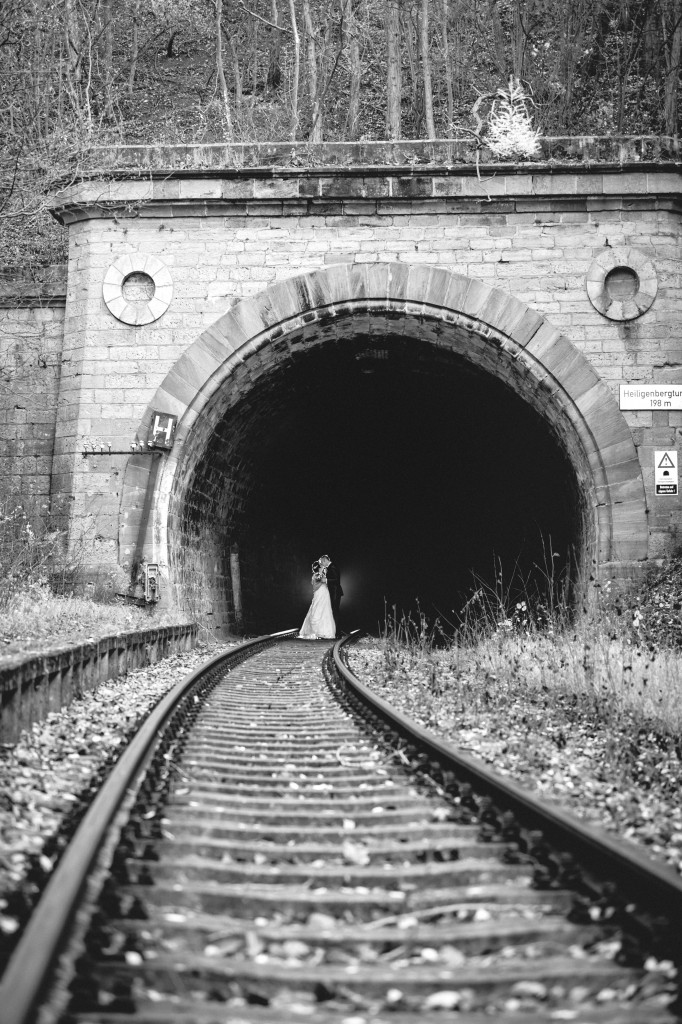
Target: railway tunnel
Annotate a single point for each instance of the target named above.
(420, 455)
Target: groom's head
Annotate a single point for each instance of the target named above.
(325, 560)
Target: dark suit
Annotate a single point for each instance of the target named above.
(335, 591)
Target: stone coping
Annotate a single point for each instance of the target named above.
(42, 285)
(325, 192)
(34, 663)
(409, 155)
(34, 684)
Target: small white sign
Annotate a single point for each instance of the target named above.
(665, 472)
(653, 397)
(162, 430)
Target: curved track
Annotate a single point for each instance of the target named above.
(279, 845)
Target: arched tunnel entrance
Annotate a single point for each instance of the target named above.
(413, 451)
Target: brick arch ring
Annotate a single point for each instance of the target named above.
(512, 339)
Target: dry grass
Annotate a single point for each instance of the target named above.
(587, 714)
(623, 658)
(610, 672)
(36, 620)
(51, 597)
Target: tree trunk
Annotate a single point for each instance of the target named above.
(497, 35)
(394, 69)
(36, 83)
(355, 71)
(456, 61)
(50, 90)
(73, 41)
(672, 37)
(313, 82)
(519, 41)
(426, 70)
(447, 65)
(220, 67)
(274, 65)
(135, 47)
(412, 44)
(73, 44)
(108, 34)
(236, 70)
(297, 71)
(253, 55)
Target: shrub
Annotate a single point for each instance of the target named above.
(30, 547)
(510, 132)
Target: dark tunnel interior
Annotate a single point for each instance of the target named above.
(421, 475)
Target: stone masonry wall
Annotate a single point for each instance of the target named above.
(224, 237)
(31, 329)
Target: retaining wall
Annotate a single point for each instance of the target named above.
(31, 335)
(31, 688)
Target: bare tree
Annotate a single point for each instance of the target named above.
(73, 44)
(492, 29)
(394, 69)
(425, 55)
(670, 15)
(274, 78)
(297, 72)
(447, 63)
(237, 73)
(108, 62)
(220, 67)
(134, 45)
(355, 67)
(313, 81)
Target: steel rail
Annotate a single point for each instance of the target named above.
(28, 972)
(642, 878)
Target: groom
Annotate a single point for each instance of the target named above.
(333, 586)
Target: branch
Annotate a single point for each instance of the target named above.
(12, 184)
(474, 111)
(271, 24)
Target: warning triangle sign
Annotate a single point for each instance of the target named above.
(666, 462)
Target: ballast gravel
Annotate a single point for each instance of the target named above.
(48, 778)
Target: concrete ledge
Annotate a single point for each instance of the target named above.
(32, 687)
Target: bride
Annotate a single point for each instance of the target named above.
(319, 622)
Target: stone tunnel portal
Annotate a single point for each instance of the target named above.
(415, 452)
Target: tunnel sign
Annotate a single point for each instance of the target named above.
(665, 472)
(654, 397)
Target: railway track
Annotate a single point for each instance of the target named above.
(277, 845)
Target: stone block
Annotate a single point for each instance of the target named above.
(487, 185)
(554, 184)
(620, 183)
(520, 185)
(663, 181)
(412, 187)
(377, 282)
(450, 186)
(276, 188)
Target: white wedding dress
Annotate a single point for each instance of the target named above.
(319, 622)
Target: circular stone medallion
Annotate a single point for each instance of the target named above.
(137, 289)
(621, 284)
